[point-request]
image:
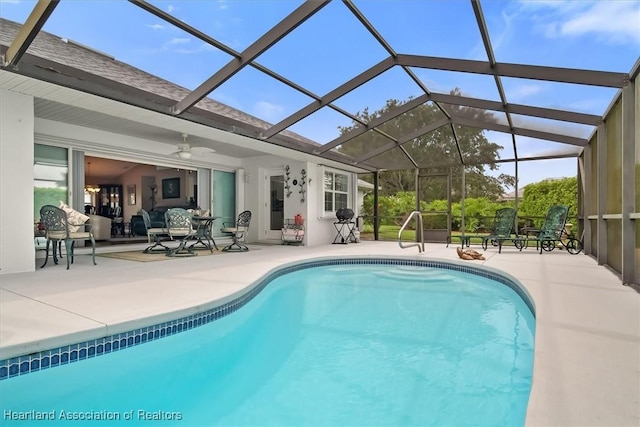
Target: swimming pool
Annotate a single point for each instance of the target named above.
(381, 342)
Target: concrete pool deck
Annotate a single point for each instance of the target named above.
(587, 348)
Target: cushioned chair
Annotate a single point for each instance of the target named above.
(100, 226)
(58, 229)
(137, 227)
(155, 233)
(238, 232)
(180, 226)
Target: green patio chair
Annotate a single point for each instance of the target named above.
(58, 228)
(552, 230)
(501, 229)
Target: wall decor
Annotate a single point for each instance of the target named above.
(171, 188)
(131, 194)
(287, 177)
(303, 181)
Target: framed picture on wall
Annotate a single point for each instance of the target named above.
(171, 188)
(131, 194)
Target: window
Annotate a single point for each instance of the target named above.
(50, 170)
(336, 191)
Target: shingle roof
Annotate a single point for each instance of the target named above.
(58, 50)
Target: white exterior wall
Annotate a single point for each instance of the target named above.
(17, 250)
(256, 197)
(319, 230)
(321, 223)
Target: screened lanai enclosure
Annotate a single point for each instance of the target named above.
(384, 86)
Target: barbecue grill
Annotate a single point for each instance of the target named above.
(344, 215)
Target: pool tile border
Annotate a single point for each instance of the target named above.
(64, 355)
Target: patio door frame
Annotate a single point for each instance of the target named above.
(265, 225)
(435, 235)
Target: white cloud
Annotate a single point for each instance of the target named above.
(506, 25)
(180, 45)
(156, 26)
(591, 105)
(617, 21)
(561, 6)
(267, 110)
(614, 21)
(524, 91)
(203, 47)
(171, 8)
(179, 40)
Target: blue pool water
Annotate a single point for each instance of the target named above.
(325, 346)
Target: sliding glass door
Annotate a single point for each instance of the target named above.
(224, 199)
(50, 177)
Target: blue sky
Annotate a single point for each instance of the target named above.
(332, 47)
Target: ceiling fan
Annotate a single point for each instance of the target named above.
(185, 149)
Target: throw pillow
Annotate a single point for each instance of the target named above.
(76, 219)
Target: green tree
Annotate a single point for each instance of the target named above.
(434, 152)
(540, 196)
(393, 210)
(47, 196)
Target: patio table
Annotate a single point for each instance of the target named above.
(203, 235)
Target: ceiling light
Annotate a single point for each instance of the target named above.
(184, 154)
(90, 188)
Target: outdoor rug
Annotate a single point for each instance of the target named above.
(140, 256)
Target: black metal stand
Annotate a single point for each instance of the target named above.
(345, 232)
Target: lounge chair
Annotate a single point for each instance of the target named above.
(501, 229)
(552, 230)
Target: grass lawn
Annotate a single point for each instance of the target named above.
(390, 232)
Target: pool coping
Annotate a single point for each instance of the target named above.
(145, 329)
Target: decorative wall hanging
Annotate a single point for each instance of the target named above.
(287, 177)
(303, 182)
(171, 188)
